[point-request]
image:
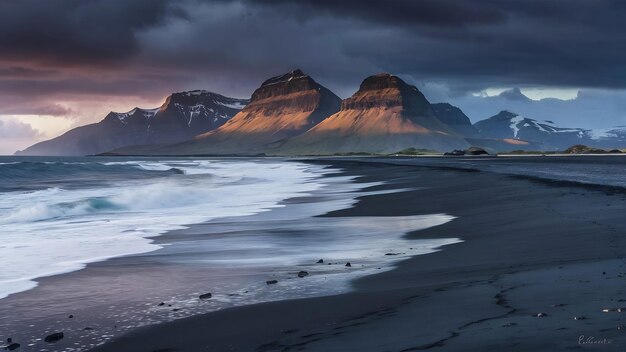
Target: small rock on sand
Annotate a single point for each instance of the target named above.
(320, 261)
(619, 310)
(540, 315)
(271, 282)
(161, 304)
(348, 264)
(70, 316)
(303, 273)
(580, 318)
(12, 347)
(206, 295)
(57, 336)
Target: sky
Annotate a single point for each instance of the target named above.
(65, 63)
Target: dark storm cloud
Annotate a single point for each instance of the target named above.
(398, 12)
(473, 44)
(147, 48)
(470, 44)
(77, 31)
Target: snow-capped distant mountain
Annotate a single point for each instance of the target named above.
(614, 137)
(544, 134)
(182, 116)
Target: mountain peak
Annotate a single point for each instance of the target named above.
(384, 81)
(291, 82)
(386, 90)
(289, 76)
(505, 114)
(202, 97)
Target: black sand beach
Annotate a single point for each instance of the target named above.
(541, 269)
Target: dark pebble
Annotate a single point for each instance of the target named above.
(271, 282)
(303, 273)
(206, 295)
(70, 316)
(320, 261)
(57, 336)
(161, 304)
(9, 340)
(88, 328)
(348, 264)
(579, 318)
(12, 346)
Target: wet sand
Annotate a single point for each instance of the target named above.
(553, 249)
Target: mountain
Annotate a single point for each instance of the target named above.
(614, 137)
(385, 115)
(282, 107)
(531, 133)
(455, 119)
(182, 116)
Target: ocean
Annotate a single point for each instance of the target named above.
(126, 242)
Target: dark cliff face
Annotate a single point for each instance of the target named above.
(385, 90)
(182, 116)
(295, 91)
(292, 82)
(455, 118)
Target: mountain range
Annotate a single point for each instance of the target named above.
(181, 117)
(292, 114)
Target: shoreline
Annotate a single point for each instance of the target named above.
(117, 295)
(529, 250)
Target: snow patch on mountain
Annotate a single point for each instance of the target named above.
(604, 133)
(547, 126)
(514, 124)
(147, 113)
(234, 105)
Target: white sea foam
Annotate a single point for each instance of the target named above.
(55, 231)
